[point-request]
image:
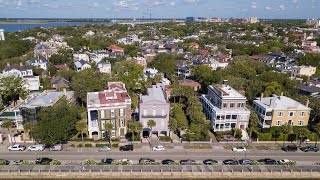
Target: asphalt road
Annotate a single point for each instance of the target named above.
(303, 158)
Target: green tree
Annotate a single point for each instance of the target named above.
(179, 115)
(254, 119)
(8, 125)
(134, 127)
(316, 129)
(165, 63)
(56, 123)
(302, 133)
(272, 88)
(151, 123)
(108, 127)
(203, 74)
(81, 127)
(286, 129)
(275, 134)
(12, 88)
(250, 130)
(28, 127)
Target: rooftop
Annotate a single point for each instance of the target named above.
(155, 93)
(226, 91)
(280, 103)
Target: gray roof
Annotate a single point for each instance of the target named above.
(281, 103)
(154, 94)
(38, 59)
(308, 88)
(80, 63)
(18, 67)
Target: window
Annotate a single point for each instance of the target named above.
(269, 113)
(121, 112)
(163, 112)
(228, 117)
(280, 114)
(224, 105)
(291, 113)
(145, 112)
(278, 123)
(300, 123)
(231, 105)
(113, 122)
(154, 112)
(302, 114)
(233, 125)
(122, 123)
(234, 116)
(290, 122)
(102, 114)
(112, 113)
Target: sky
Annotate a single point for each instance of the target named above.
(286, 9)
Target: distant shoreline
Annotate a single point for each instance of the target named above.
(19, 22)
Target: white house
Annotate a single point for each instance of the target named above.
(97, 56)
(2, 35)
(78, 56)
(81, 65)
(104, 67)
(39, 62)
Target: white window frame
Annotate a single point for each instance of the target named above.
(302, 113)
(113, 122)
(280, 114)
(290, 114)
(145, 112)
(121, 112)
(112, 113)
(102, 114)
(122, 123)
(154, 112)
(300, 123)
(278, 124)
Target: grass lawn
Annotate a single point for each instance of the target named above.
(198, 147)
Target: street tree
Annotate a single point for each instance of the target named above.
(12, 88)
(151, 123)
(28, 127)
(165, 63)
(203, 74)
(8, 125)
(81, 127)
(275, 134)
(302, 133)
(286, 129)
(108, 127)
(316, 129)
(134, 127)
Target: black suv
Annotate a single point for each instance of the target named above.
(126, 148)
(268, 161)
(167, 161)
(187, 162)
(146, 160)
(291, 148)
(107, 161)
(230, 162)
(210, 162)
(43, 160)
(310, 148)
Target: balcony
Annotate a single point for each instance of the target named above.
(94, 124)
(156, 116)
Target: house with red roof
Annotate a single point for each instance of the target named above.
(194, 45)
(115, 49)
(113, 106)
(190, 83)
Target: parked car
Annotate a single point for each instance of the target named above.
(126, 160)
(146, 160)
(268, 161)
(104, 148)
(167, 162)
(231, 162)
(239, 149)
(56, 148)
(37, 147)
(210, 162)
(290, 148)
(284, 161)
(246, 161)
(188, 162)
(158, 148)
(107, 161)
(17, 162)
(126, 148)
(43, 160)
(310, 148)
(4, 162)
(16, 147)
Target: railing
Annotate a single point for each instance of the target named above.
(156, 116)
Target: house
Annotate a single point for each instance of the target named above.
(81, 65)
(225, 108)
(184, 71)
(115, 49)
(151, 72)
(141, 61)
(280, 110)
(89, 33)
(39, 62)
(32, 83)
(154, 106)
(43, 49)
(62, 67)
(190, 83)
(309, 89)
(59, 82)
(104, 67)
(109, 106)
(97, 56)
(80, 55)
(303, 71)
(194, 45)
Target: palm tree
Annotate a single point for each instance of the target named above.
(317, 131)
(81, 127)
(28, 127)
(151, 123)
(108, 127)
(302, 133)
(286, 129)
(134, 126)
(8, 125)
(276, 134)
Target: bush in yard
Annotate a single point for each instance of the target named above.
(2, 162)
(72, 145)
(115, 145)
(165, 138)
(90, 162)
(27, 163)
(80, 145)
(265, 137)
(55, 162)
(88, 145)
(101, 145)
(45, 163)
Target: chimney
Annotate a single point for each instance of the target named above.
(307, 103)
(8, 64)
(281, 94)
(21, 64)
(64, 90)
(270, 102)
(225, 83)
(261, 96)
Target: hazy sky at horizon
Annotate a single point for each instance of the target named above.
(159, 8)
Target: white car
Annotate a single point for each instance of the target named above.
(126, 160)
(16, 147)
(37, 147)
(239, 149)
(284, 161)
(158, 148)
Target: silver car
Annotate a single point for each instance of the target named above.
(104, 148)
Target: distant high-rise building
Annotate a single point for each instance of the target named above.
(253, 20)
(190, 19)
(313, 22)
(2, 35)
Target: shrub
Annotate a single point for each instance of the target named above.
(72, 145)
(88, 145)
(45, 163)
(115, 145)
(265, 137)
(165, 138)
(101, 145)
(80, 145)
(2, 162)
(27, 163)
(90, 162)
(136, 136)
(55, 162)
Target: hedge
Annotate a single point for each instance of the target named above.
(165, 138)
(265, 136)
(101, 145)
(88, 145)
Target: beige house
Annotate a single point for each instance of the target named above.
(303, 70)
(280, 110)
